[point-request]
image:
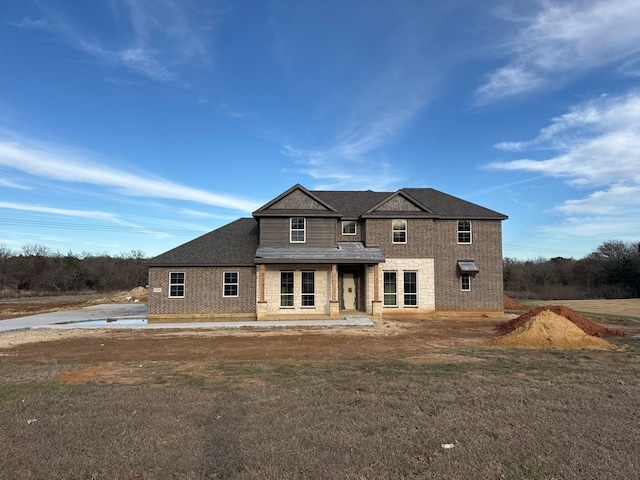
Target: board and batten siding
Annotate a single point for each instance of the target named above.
(320, 232)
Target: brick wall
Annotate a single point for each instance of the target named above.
(485, 250)
(203, 293)
(419, 238)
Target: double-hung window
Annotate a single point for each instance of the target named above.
(399, 231)
(349, 227)
(297, 230)
(464, 231)
(286, 289)
(410, 289)
(230, 286)
(390, 289)
(308, 289)
(176, 284)
(465, 282)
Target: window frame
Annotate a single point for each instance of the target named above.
(305, 296)
(230, 284)
(465, 278)
(288, 295)
(461, 233)
(349, 222)
(297, 230)
(414, 293)
(399, 231)
(176, 285)
(389, 295)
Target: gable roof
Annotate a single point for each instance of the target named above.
(233, 244)
(297, 201)
(423, 202)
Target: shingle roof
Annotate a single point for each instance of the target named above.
(234, 244)
(346, 252)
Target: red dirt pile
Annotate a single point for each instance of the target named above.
(510, 304)
(548, 330)
(587, 326)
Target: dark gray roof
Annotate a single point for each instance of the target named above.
(234, 244)
(353, 204)
(347, 252)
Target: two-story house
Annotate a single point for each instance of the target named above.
(415, 251)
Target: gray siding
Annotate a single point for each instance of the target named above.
(320, 232)
(203, 293)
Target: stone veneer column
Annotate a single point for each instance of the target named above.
(376, 304)
(261, 307)
(334, 304)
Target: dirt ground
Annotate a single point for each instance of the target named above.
(111, 352)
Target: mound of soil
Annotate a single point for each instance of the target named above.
(138, 294)
(548, 330)
(587, 326)
(510, 304)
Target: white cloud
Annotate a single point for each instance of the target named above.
(596, 147)
(58, 164)
(562, 40)
(162, 35)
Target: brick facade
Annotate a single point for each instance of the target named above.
(203, 293)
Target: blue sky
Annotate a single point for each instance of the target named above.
(141, 124)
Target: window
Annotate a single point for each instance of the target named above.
(349, 227)
(230, 288)
(464, 231)
(410, 289)
(465, 282)
(297, 231)
(308, 289)
(176, 284)
(286, 289)
(390, 289)
(399, 228)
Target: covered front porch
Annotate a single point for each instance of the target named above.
(318, 282)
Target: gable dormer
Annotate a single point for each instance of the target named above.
(297, 201)
(399, 204)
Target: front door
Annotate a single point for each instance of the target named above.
(349, 291)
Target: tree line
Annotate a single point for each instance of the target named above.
(37, 269)
(611, 271)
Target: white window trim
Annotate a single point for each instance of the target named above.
(302, 294)
(184, 283)
(470, 232)
(462, 276)
(236, 283)
(406, 228)
(304, 230)
(292, 294)
(384, 305)
(404, 304)
(355, 225)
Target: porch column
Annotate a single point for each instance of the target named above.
(334, 304)
(376, 304)
(261, 307)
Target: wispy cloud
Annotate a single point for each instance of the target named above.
(562, 40)
(162, 35)
(62, 164)
(597, 147)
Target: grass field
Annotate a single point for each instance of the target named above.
(375, 404)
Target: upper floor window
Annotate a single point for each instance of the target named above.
(176, 284)
(230, 287)
(399, 231)
(297, 231)
(464, 231)
(349, 227)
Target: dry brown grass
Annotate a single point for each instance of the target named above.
(530, 415)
